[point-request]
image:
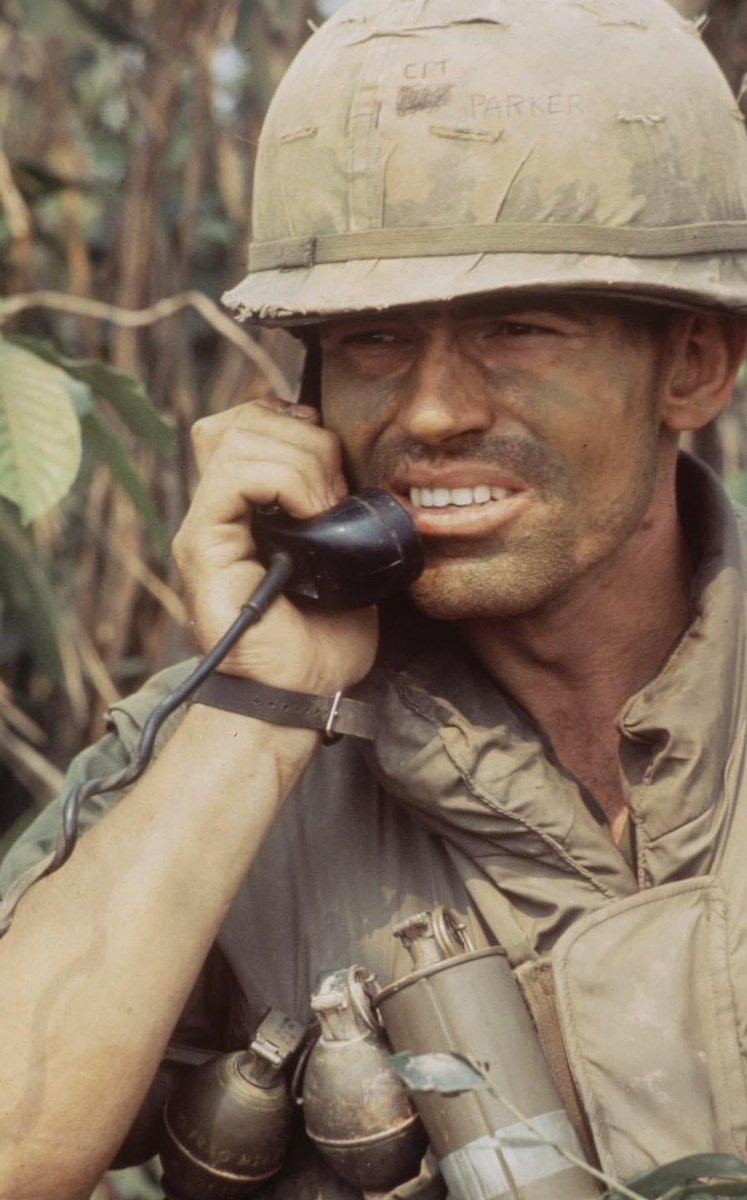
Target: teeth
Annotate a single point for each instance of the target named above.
(460, 497)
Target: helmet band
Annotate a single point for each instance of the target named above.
(426, 242)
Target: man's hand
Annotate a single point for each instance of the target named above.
(148, 887)
(266, 452)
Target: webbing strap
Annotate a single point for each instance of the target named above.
(628, 242)
(537, 983)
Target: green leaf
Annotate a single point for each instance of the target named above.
(109, 450)
(125, 393)
(449, 1074)
(40, 446)
(81, 394)
(29, 601)
(696, 1175)
(129, 397)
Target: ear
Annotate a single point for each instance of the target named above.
(706, 351)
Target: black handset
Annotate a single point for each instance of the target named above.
(360, 552)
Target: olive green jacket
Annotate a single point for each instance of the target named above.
(461, 802)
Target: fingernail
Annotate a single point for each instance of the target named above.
(302, 412)
(337, 492)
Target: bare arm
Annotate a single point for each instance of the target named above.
(101, 956)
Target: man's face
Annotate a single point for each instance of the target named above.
(523, 436)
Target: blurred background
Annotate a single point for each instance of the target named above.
(127, 138)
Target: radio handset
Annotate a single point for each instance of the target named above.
(360, 552)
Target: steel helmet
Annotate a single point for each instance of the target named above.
(421, 150)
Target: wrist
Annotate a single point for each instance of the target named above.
(231, 740)
(333, 715)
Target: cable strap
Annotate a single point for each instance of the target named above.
(334, 715)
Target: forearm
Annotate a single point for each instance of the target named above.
(101, 956)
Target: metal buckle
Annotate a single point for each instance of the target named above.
(329, 737)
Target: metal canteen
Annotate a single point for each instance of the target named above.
(466, 1001)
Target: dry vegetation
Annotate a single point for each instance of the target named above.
(127, 135)
(128, 132)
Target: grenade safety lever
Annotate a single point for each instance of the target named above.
(356, 1110)
(227, 1126)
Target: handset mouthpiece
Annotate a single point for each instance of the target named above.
(360, 552)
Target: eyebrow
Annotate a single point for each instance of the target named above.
(572, 307)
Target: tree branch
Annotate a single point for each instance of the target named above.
(135, 318)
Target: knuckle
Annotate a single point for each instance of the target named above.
(202, 430)
(234, 441)
(320, 446)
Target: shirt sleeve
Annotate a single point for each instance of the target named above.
(111, 753)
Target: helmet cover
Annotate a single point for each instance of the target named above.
(422, 150)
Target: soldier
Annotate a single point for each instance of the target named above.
(513, 238)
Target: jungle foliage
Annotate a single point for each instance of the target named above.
(127, 138)
(127, 135)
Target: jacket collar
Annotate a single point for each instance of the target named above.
(474, 769)
(679, 729)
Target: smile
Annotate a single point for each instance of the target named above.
(464, 512)
(460, 497)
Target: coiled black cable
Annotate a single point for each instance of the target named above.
(278, 573)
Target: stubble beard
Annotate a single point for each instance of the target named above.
(533, 573)
(494, 581)
(521, 573)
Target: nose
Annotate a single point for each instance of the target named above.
(441, 398)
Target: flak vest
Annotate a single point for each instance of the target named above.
(641, 970)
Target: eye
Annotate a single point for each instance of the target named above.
(375, 337)
(523, 329)
(517, 329)
(376, 350)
